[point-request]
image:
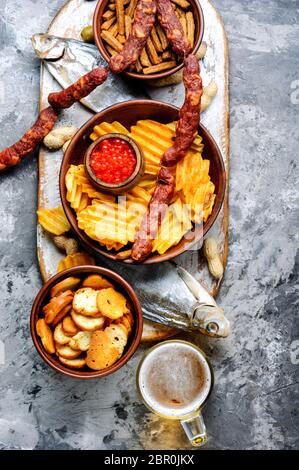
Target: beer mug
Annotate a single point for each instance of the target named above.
(175, 380)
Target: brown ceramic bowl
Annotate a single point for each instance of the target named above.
(129, 183)
(122, 285)
(199, 30)
(127, 113)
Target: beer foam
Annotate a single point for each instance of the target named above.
(175, 379)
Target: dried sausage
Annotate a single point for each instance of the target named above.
(152, 220)
(173, 28)
(187, 125)
(79, 90)
(143, 23)
(30, 141)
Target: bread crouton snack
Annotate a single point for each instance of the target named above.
(86, 323)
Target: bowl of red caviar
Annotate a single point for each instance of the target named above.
(114, 163)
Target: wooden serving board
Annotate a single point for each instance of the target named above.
(68, 23)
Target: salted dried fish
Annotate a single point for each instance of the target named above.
(68, 59)
(166, 298)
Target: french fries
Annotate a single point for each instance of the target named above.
(111, 40)
(190, 27)
(160, 67)
(116, 24)
(120, 14)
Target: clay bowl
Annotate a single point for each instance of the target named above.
(199, 30)
(132, 181)
(127, 113)
(122, 285)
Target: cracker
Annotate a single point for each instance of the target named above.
(96, 281)
(67, 352)
(70, 283)
(101, 353)
(85, 302)
(73, 363)
(46, 335)
(111, 304)
(87, 323)
(69, 327)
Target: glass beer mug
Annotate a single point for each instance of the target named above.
(175, 380)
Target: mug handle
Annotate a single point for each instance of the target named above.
(195, 430)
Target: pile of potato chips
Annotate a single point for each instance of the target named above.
(114, 221)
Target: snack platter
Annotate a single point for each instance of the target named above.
(68, 23)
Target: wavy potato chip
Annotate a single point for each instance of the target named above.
(113, 222)
(53, 220)
(107, 128)
(76, 259)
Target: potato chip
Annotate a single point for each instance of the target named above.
(113, 225)
(175, 225)
(107, 128)
(76, 259)
(79, 189)
(113, 222)
(53, 220)
(209, 200)
(203, 198)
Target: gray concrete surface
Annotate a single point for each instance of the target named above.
(255, 401)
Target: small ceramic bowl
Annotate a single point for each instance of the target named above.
(199, 30)
(122, 286)
(135, 177)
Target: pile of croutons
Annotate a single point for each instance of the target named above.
(86, 323)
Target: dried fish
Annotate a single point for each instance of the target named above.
(68, 59)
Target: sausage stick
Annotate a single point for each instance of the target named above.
(189, 116)
(143, 22)
(30, 141)
(161, 197)
(173, 28)
(83, 87)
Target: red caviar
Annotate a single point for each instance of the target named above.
(113, 161)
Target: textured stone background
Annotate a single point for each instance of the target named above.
(255, 401)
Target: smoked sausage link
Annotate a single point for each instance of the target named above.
(30, 141)
(189, 116)
(143, 23)
(173, 28)
(151, 222)
(79, 90)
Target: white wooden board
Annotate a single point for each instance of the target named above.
(68, 23)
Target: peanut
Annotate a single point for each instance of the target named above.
(210, 249)
(59, 136)
(208, 94)
(69, 245)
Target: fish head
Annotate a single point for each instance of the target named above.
(210, 320)
(48, 47)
